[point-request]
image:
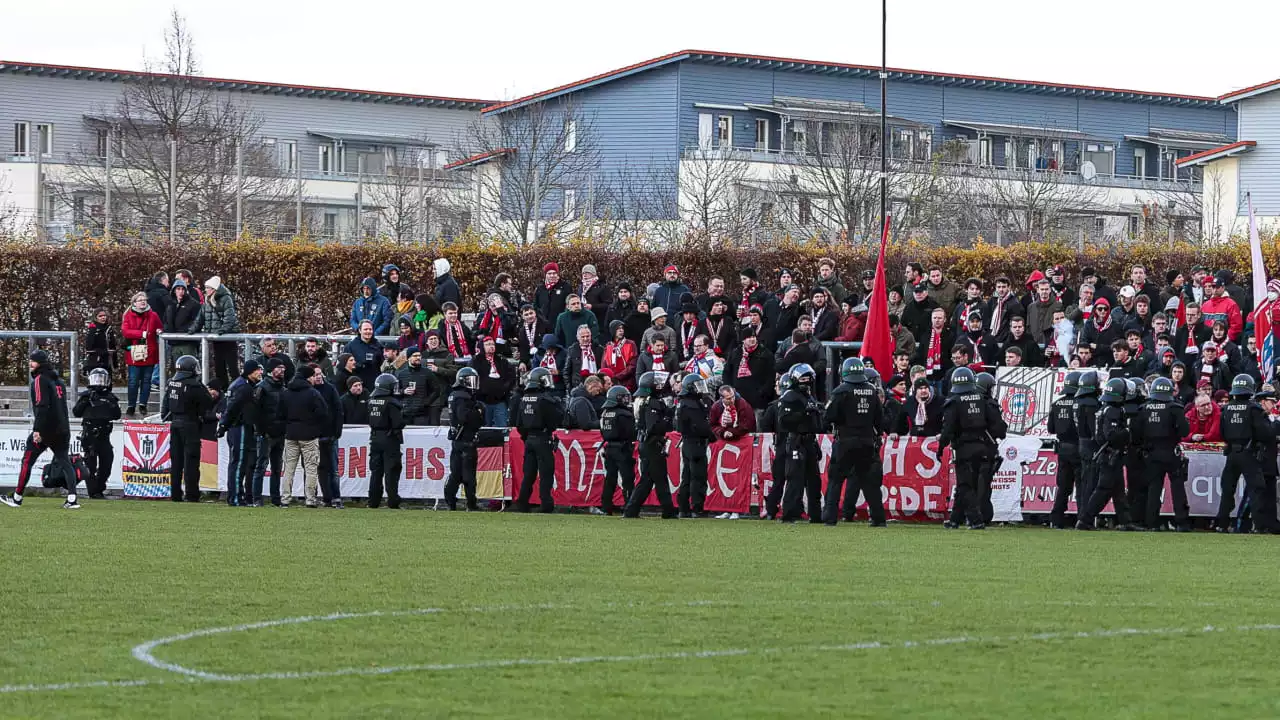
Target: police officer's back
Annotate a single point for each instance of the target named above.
(466, 413)
(855, 410)
(618, 420)
(1161, 423)
(186, 402)
(968, 421)
(98, 408)
(1247, 432)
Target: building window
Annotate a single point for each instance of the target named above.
(1135, 225)
(766, 214)
(706, 127)
(390, 160)
(804, 211)
(571, 136)
(762, 135)
(901, 147)
(1169, 158)
(326, 159)
(984, 151)
(45, 132)
(924, 144)
(21, 138)
(288, 156)
(330, 224)
(1140, 162)
(1099, 226)
(724, 131)
(1103, 158)
(799, 137)
(102, 139)
(570, 204)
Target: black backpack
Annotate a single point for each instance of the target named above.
(52, 477)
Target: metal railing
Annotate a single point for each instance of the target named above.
(250, 343)
(31, 336)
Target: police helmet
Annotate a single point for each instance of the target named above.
(693, 384)
(618, 396)
(986, 382)
(388, 382)
(1141, 386)
(873, 376)
(187, 363)
(1162, 389)
(786, 382)
(1242, 386)
(1130, 390)
(804, 375)
(1071, 383)
(99, 377)
(539, 378)
(647, 384)
(962, 381)
(1114, 391)
(1088, 384)
(467, 378)
(852, 370)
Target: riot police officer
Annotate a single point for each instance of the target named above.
(1131, 501)
(777, 465)
(466, 417)
(800, 416)
(97, 407)
(541, 412)
(656, 420)
(1111, 431)
(986, 383)
(1267, 457)
(386, 437)
(185, 402)
(1086, 422)
(618, 431)
(1245, 429)
(693, 422)
(968, 423)
(1062, 425)
(1162, 423)
(858, 417)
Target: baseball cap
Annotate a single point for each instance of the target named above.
(1127, 291)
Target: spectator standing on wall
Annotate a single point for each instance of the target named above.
(447, 290)
(101, 343)
(140, 327)
(183, 314)
(392, 288)
(595, 294)
(157, 290)
(551, 296)
(497, 380)
(455, 335)
(371, 306)
(671, 291)
(220, 319)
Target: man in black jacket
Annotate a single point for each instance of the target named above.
(386, 436)
(330, 483)
(550, 298)
(541, 413)
(618, 431)
(237, 424)
(781, 316)
(98, 408)
(595, 294)
(529, 333)
(355, 403)
(754, 378)
(585, 404)
(694, 425)
(466, 416)
(269, 423)
(418, 387)
(859, 421)
(306, 420)
(655, 422)
(800, 417)
(825, 313)
(183, 406)
(50, 430)
(918, 312)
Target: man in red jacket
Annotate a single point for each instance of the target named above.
(1218, 305)
(731, 417)
(1204, 417)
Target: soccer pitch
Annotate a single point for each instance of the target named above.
(133, 609)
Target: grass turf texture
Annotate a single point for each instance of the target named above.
(81, 589)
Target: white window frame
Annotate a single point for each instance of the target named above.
(984, 151)
(288, 155)
(706, 130)
(324, 163)
(22, 138)
(804, 207)
(101, 142)
(724, 131)
(570, 204)
(762, 134)
(571, 136)
(924, 145)
(390, 160)
(1140, 162)
(799, 137)
(44, 138)
(1010, 153)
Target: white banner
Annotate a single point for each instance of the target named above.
(13, 441)
(1006, 487)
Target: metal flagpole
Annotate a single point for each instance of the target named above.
(106, 209)
(173, 189)
(884, 116)
(239, 187)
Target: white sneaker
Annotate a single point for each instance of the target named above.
(727, 516)
(595, 511)
(71, 505)
(11, 501)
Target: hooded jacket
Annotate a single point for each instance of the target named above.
(1225, 309)
(220, 310)
(669, 295)
(333, 406)
(375, 308)
(49, 403)
(306, 417)
(447, 289)
(184, 317)
(391, 290)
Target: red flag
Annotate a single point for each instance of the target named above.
(877, 341)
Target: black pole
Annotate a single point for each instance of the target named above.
(884, 117)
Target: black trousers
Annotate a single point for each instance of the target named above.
(968, 461)
(653, 478)
(1110, 469)
(184, 461)
(1068, 479)
(539, 464)
(244, 460)
(619, 463)
(226, 361)
(1136, 477)
(98, 457)
(1088, 478)
(1244, 463)
(773, 499)
(1163, 463)
(462, 471)
(802, 480)
(693, 475)
(270, 453)
(60, 447)
(330, 487)
(1264, 516)
(857, 461)
(384, 468)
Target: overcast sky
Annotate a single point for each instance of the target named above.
(499, 50)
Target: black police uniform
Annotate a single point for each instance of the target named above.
(541, 413)
(386, 436)
(800, 416)
(184, 405)
(694, 425)
(990, 464)
(778, 466)
(240, 420)
(1245, 429)
(858, 417)
(1062, 424)
(1161, 426)
(1131, 504)
(656, 420)
(1086, 423)
(97, 408)
(968, 419)
(1267, 458)
(618, 430)
(466, 416)
(1112, 430)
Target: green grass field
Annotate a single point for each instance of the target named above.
(579, 616)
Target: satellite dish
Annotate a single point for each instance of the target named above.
(1087, 170)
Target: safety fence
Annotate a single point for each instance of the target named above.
(917, 477)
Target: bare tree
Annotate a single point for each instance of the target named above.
(411, 201)
(1027, 203)
(1219, 206)
(11, 224)
(717, 199)
(537, 152)
(172, 105)
(841, 165)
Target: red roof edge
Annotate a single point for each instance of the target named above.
(1237, 145)
(594, 78)
(1250, 89)
(479, 158)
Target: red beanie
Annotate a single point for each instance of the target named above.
(551, 267)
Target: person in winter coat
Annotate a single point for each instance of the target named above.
(550, 298)
(367, 353)
(903, 340)
(638, 321)
(689, 328)
(1205, 418)
(825, 315)
(585, 404)
(704, 362)
(749, 369)
(943, 291)
(582, 358)
(1211, 367)
(731, 416)
(659, 329)
(624, 303)
(722, 327)
(408, 337)
(157, 290)
(428, 314)
(305, 421)
(392, 288)
(183, 314)
(345, 369)
(528, 337)
(418, 388)
(372, 307)
(50, 428)
(497, 381)
(101, 343)
(447, 290)
(573, 317)
(620, 356)
(657, 358)
(140, 326)
(1220, 306)
(595, 294)
(403, 307)
(498, 322)
(670, 293)
(355, 403)
(1099, 332)
(1002, 307)
(969, 303)
(330, 482)
(782, 315)
(456, 337)
(506, 287)
(437, 358)
(1041, 309)
(853, 323)
(923, 411)
(268, 349)
(311, 352)
(220, 318)
(829, 280)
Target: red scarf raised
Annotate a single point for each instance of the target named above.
(456, 341)
(491, 324)
(933, 358)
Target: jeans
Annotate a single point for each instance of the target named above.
(140, 384)
(495, 414)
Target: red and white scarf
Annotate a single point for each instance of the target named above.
(493, 365)
(998, 314)
(744, 370)
(1191, 340)
(549, 362)
(1105, 325)
(588, 360)
(715, 329)
(455, 339)
(658, 364)
(747, 292)
(687, 337)
(729, 414)
(1207, 368)
(491, 324)
(550, 284)
(922, 413)
(933, 358)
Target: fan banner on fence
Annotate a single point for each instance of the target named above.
(145, 466)
(1017, 456)
(13, 443)
(1026, 394)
